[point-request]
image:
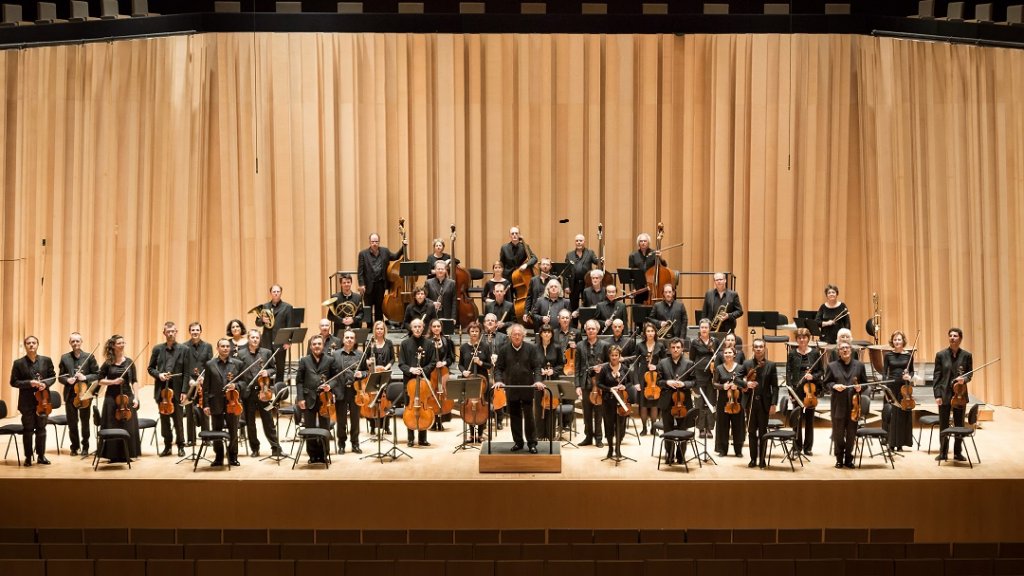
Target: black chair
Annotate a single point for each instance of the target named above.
(58, 419)
(785, 437)
(112, 435)
(932, 422)
(12, 431)
(281, 393)
(962, 433)
(318, 435)
(866, 435)
(147, 424)
(685, 436)
(206, 439)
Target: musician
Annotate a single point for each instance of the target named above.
(281, 312)
(514, 255)
(502, 309)
(416, 360)
(803, 367)
(474, 359)
(238, 334)
(118, 376)
(952, 366)
(702, 351)
(495, 340)
(594, 294)
(441, 290)
(644, 259)
(728, 376)
(29, 374)
(444, 356)
(77, 367)
(166, 363)
(554, 359)
(675, 374)
(845, 335)
(258, 363)
(761, 396)
(519, 363)
(898, 366)
(564, 334)
(340, 298)
(652, 350)
(314, 368)
(610, 308)
(545, 310)
(845, 377)
(621, 339)
(539, 283)
(581, 260)
(331, 342)
(612, 380)
(380, 359)
(421, 308)
(722, 304)
(590, 352)
(670, 314)
(498, 277)
(197, 354)
(832, 315)
(346, 360)
(438, 254)
(730, 343)
(220, 376)
(372, 272)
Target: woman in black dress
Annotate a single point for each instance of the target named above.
(898, 365)
(379, 359)
(832, 315)
(651, 351)
(117, 376)
(554, 359)
(498, 277)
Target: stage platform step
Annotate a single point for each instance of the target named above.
(498, 457)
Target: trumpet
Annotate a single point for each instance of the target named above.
(720, 316)
(665, 329)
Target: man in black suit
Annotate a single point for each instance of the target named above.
(219, 376)
(345, 321)
(441, 290)
(166, 366)
(845, 377)
(519, 364)
(761, 395)
(952, 365)
(281, 312)
(724, 303)
(77, 367)
(372, 271)
(29, 374)
(314, 369)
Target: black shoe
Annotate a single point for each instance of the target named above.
(849, 465)
(808, 453)
(599, 444)
(166, 451)
(587, 441)
(517, 447)
(181, 452)
(751, 464)
(387, 430)
(276, 452)
(941, 457)
(234, 463)
(411, 444)
(721, 453)
(500, 426)
(618, 454)
(643, 431)
(533, 449)
(424, 443)
(739, 453)
(254, 454)
(839, 464)
(74, 452)
(610, 454)
(85, 449)
(42, 460)
(191, 443)
(28, 461)
(959, 458)
(762, 464)
(216, 463)
(341, 450)
(357, 449)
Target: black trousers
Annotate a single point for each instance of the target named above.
(219, 422)
(195, 417)
(805, 432)
(706, 418)
(614, 425)
(375, 299)
(166, 420)
(670, 423)
(944, 411)
(520, 410)
(727, 424)
(758, 428)
(34, 426)
(313, 419)
(253, 410)
(591, 417)
(78, 419)
(348, 417)
(844, 438)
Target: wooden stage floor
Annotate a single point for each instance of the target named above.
(952, 502)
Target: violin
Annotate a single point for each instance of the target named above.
(732, 403)
(266, 393)
(622, 398)
(651, 390)
(569, 368)
(43, 405)
(232, 397)
(679, 409)
(959, 399)
(166, 405)
(327, 407)
(854, 400)
(123, 412)
(418, 415)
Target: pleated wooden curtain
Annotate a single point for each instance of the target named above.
(177, 178)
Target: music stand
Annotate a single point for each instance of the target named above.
(381, 382)
(567, 395)
(810, 324)
(411, 268)
(464, 389)
(632, 277)
(447, 326)
(562, 271)
(288, 336)
(586, 313)
(703, 455)
(640, 313)
(274, 404)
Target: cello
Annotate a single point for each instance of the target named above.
(466, 310)
(418, 416)
(439, 383)
(475, 410)
(396, 298)
(659, 275)
(521, 285)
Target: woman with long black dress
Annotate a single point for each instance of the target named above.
(117, 376)
(554, 359)
(651, 351)
(898, 366)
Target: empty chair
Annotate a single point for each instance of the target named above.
(837, 9)
(116, 435)
(58, 419)
(866, 435)
(110, 11)
(955, 12)
(140, 9)
(1015, 14)
(931, 421)
(46, 13)
(350, 8)
(12, 431)
(208, 438)
(777, 10)
(12, 15)
(227, 6)
(961, 433)
(784, 438)
(926, 9)
(79, 11)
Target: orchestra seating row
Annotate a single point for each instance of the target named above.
(320, 567)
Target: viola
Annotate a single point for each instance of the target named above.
(43, 405)
(959, 399)
(596, 398)
(651, 391)
(623, 408)
(907, 401)
(83, 395)
(549, 401)
(327, 407)
(810, 394)
(732, 399)
(854, 401)
(231, 395)
(166, 405)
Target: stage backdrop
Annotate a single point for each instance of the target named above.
(177, 178)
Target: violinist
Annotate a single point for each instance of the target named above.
(564, 334)
(652, 350)
(220, 376)
(29, 374)
(281, 312)
(314, 368)
(590, 352)
(437, 254)
(554, 358)
(380, 358)
(197, 354)
(952, 366)
(671, 313)
(513, 254)
(494, 340)
(832, 315)
(79, 367)
(728, 378)
(441, 291)
(444, 358)
(519, 364)
(610, 309)
(730, 344)
(166, 366)
(582, 260)
(702, 349)
(331, 342)
(539, 283)
(502, 309)
(238, 334)
(421, 308)
(475, 358)
(498, 277)
(372, 272)
(346, 295)
(671, 373)
(643, 259)
(118, 376)
(545, 310)
(722, 304)
(898, 366)
(761, 395)
(258, 363)
(346, 360)
(804, 369)
(414, 366)
(839, 378)
(611, 380)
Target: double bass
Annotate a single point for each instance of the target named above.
(397, 295)
(607, 278)
(659, 275)
(521, 285)
(466, 310)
